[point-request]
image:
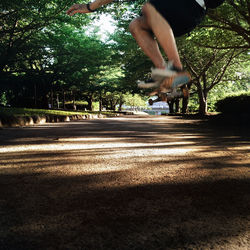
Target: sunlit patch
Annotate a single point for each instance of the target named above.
(82, 146)
(89, 139)
(138, 152)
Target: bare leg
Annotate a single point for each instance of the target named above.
(145, 39)
(153, 21)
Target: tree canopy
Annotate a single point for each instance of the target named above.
(46, 56)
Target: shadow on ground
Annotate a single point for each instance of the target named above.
(144, 128)
(39, 212)
(130, 193)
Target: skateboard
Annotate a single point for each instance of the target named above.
(165, 90)
(183, 92)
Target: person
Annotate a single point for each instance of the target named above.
(158, 25)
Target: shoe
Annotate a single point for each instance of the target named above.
(150, 83)
(170, 70)
(175, 82)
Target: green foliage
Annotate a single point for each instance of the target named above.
(3, 99)
(135, 100)
(224, 89)
(193, 104)
(234, 104)
(22, 21)
(46, 54)
(230, 25)
(58, 59)
(32, 112)
(220, 91)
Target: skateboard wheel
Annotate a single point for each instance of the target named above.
(150, 102)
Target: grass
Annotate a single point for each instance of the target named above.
(43, 112)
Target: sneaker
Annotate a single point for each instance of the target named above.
(150, 83)
(170, 70)
(175, 82)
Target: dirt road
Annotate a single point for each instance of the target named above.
(125, 183)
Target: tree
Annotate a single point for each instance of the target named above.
(209, 70)
(20, 22)
(232, 21)
(43, 52)
(56, 55)
(219, 48)
(201, 51)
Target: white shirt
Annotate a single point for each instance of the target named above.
(201, 3)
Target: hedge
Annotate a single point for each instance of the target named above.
(237, 104)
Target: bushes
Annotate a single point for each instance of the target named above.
(237, 104)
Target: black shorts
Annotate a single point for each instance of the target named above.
(182, 15)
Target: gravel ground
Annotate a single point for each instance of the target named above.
(125, 183)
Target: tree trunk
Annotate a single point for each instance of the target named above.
(202, 103)
(90, 103)
(63, 99)
(171, 107)
(74, 101)
(100, 104)
(112, 104)
(57, 101)
(121, 102)
(177, 105)
(35, 96)
(51, 98)
(185, 99)
(184, 109)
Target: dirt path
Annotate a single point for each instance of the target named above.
(125, 183)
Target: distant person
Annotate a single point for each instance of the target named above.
(163, 20)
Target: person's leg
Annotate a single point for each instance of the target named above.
(152, 22)
(146, 41)
(163, 32)
(142, 28)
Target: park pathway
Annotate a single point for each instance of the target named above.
(125, 183)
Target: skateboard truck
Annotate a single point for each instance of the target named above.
(183, 92)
